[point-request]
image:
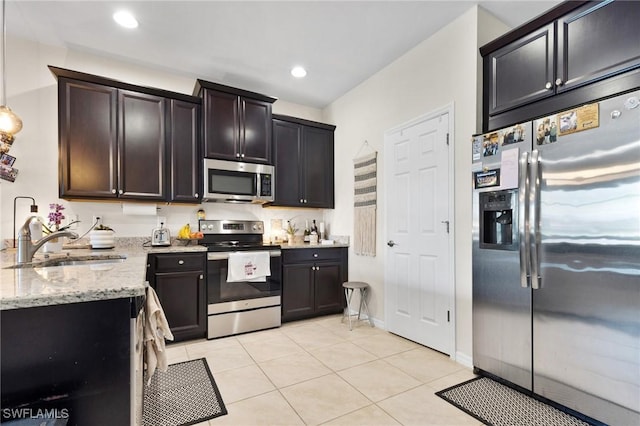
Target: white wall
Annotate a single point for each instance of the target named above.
(441, 70)
(32, 94)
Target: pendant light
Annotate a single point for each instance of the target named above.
(10, 123)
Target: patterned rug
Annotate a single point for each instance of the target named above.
(495, 404)
(183, 395)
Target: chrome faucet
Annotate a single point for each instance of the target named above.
(26, 248)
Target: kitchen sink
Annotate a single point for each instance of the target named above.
(72, 261)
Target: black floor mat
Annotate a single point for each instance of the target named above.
(183, 395)
(496, 404)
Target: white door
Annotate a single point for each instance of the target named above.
(418, 278)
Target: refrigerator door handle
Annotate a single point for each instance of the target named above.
(534, 220)
(523, 219)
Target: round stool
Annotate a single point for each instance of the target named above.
(349, 288)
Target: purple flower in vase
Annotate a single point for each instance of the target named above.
(55, 216)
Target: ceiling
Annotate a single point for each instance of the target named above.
(254, 44)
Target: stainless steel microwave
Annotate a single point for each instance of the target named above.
(235, 182)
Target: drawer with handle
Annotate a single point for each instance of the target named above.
(178, 262)
(311, 254)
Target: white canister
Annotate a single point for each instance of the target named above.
(100, 239)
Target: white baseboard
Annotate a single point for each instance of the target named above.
(463, 359)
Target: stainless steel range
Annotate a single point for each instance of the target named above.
(244, 284)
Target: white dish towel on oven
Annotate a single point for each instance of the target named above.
(248, 266)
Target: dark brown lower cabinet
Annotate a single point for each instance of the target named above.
(179, 281)
(312, 282)
(71, 361)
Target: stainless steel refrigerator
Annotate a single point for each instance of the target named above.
(556, 257)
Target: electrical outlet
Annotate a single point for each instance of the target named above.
(74, 227)
(96, 220)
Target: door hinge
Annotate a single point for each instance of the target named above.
(447, 139)
(448, 316)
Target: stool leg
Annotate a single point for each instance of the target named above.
(366, 307)
(347, 295)
(361, 300)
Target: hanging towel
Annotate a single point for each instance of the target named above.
(365, 201)
(248, 266)
(156, 330)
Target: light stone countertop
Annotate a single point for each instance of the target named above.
(43, 285)
(54, 285)
(297, 245)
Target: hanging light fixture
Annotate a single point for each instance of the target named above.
(10, 123)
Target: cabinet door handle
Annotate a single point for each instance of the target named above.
(315, 254)
(121, 192)
(113, 191)
(559, 82)
(201, 276)
(242, 155)
(180, 262)
(301, 200)
(548, 86)
(195, 195)
(237, 155)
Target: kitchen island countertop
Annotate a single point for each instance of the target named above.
(26, 287)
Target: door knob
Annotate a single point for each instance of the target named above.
(391, 243)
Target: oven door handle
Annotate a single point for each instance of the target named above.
(224, 255)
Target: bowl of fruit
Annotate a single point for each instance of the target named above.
(186, 235)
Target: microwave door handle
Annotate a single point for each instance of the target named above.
(523, 219)
(258, 185)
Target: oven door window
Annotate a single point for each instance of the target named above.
(232, 182)
(220, 291)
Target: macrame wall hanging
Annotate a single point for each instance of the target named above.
(365, 202)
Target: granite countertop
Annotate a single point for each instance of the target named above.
(297, 245)
(43, 285)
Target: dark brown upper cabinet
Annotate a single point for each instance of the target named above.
(184, 143)
(117, 140)
(523, 71)
(577, 52)
(141, 146)
(88, 140)
(236, 123)
(304, 163)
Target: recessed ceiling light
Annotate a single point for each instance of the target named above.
(298, 72)
(126, 19)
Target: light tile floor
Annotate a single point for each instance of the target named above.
(317, 372)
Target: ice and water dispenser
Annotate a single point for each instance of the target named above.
(499, 220)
